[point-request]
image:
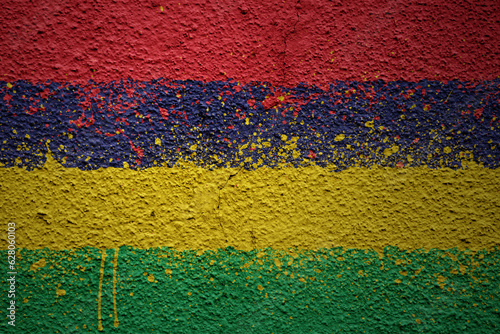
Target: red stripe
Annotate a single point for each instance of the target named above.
(325, 40)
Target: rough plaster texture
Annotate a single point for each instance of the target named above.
(259, 291)
(308, 207)
(303, 166)
(282, 42)
(225, 124)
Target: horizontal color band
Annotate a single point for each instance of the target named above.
(259, 291)
(282, 42)
(196, 208)
(224, 124)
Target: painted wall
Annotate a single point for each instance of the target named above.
(251, 167)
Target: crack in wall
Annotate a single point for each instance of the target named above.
(218, 201)
(225, 184)
(285, 37)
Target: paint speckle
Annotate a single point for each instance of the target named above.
(339, 137)
(38, 264)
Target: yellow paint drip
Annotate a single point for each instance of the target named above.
(115, 267)
(103, 259)
(194, 208)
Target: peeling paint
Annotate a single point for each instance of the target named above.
(121, 124)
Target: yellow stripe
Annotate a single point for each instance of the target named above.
(195, 208)
(103, 259)
(115, 265)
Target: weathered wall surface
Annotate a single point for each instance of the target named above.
(251, 167)
(279, 42)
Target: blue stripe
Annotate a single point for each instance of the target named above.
(106, 124)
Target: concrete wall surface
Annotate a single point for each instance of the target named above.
(305, 166)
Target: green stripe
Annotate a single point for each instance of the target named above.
(331, 290)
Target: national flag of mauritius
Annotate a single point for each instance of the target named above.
(250, 166)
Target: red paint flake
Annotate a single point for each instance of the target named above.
(270, 102)
(344, 117)
(230, 127)
(416, 140)
(7, 98)
(376, 118)
(137, 150)
(399, 165)
(250, 102)
(312, 155)
(32, 111)
(45, 93)
(91, 121)
(237, 89)
(164, 113)
(130, 92)
(478, 113)
(284, 122)
(79, 122)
